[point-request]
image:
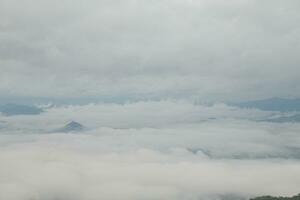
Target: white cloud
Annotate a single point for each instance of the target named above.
(42, 170)
(147, 150)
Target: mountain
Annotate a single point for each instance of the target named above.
(273, 104)
(71, 127)
(294, 118)
(17, 109)
(297, 197)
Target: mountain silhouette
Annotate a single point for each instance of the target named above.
(71, 127)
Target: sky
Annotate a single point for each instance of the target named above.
(152, 49)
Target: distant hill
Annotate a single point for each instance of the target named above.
(17, 109)
(273, 104)
(297, 197)
(71, 127)
(294, 118)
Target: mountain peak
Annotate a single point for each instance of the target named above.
(72, 126)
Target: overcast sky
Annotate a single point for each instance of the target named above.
(182, 49)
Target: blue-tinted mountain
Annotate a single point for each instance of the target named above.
(293, 118)
(17, 109)
(273, 104)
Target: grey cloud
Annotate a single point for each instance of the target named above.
(233, 50)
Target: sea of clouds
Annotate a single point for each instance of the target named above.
(138, 50)
(148, 150)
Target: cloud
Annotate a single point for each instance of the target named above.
(42, 170)
(148, 150)
(167, 124)
(166, 49)
(140, 114)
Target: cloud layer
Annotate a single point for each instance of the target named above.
(41, 170)
(148, 150)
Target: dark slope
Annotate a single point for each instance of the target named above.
(297, 197)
